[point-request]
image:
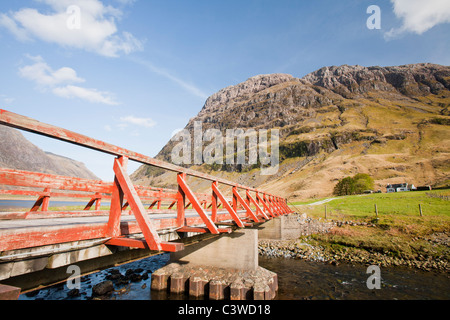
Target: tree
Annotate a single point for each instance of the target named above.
(363, 182)
(354, 185)
(344, 187)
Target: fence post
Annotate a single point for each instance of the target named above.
(420, 210)
(376, 210)
(325, 212)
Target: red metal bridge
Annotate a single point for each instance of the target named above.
(127, 222)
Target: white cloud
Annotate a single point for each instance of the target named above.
(143, 122)
(419, 16)
(61, 82)
(41, 73)
(11, 25)
(97, 31)
(91, 95)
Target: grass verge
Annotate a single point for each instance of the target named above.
(399, 235)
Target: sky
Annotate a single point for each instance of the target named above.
(132, 72)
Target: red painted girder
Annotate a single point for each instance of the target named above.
(202, 230)
(196, 204)
(91, 202)
(20, 238)
(117, 203)
(41, 180)
(227, 206)
(171, 246)
(267, 205)
(245, 205)
(51, 194)
(181, 203)
(277, 206)
(258, 208)
(142, 244)
(35, 237)
(153, 204)
(14, 120)
(65, 214)
(127, 242)
(264, 205)
(155, 194)
(214, 201)
(246, 224)
(146, 226)
(53, 214)
(31, 125)
(171, 205)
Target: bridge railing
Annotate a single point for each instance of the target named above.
(258, 206)
(51, 187)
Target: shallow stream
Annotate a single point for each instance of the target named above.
(297, 280)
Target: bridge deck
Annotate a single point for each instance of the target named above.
(156, 218)
(27, 233)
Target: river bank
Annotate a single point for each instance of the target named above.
(375, 242)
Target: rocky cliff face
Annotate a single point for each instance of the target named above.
(386, 121)
(16, 152)
(410, 80)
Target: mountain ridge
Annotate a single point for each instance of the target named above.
(386, 117)
(16, 152)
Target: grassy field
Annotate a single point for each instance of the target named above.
(433, 203)
(399, 235)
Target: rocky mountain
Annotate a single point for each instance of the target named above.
(389, 122)
(16, 152)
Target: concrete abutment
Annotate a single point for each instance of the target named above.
(225, 267)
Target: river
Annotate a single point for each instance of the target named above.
(297, 279)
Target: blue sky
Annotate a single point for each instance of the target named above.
(131, 72)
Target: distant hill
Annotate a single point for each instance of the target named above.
(16, 152)
(389, 122)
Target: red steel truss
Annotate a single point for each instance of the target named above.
(125, 199)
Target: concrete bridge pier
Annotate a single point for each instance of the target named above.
(281, 228)
(224, 267)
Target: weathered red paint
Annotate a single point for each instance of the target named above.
(28, 124)
(122, 194)
(259, 210)
(245, 205)
(196, 204)
(150, 234)
(214, 199)
(202, 230)
(227, 206)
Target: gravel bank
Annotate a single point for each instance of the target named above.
(307, 248)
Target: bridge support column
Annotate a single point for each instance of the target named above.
(238, 250)
(281, 228)
(225, 267)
